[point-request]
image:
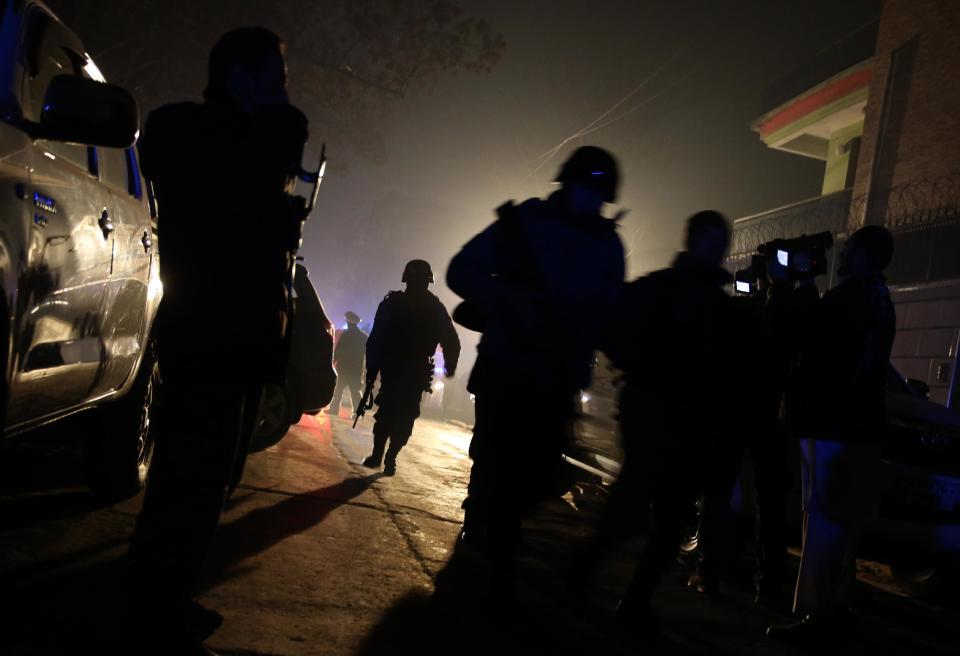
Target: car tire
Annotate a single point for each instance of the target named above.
(119, 442)
(273, 420)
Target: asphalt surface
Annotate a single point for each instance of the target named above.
(317, 555)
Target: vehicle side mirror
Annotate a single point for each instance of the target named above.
(919, 387)
(84, 111)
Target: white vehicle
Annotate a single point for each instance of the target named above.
(78, 262)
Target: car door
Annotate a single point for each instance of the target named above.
(133, 259)
(58, 352)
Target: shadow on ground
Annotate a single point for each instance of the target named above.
(464, 616)
(262, 528)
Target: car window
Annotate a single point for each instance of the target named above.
(133, 166)
(48, 52)
(112, 163)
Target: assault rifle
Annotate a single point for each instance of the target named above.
(366, 403)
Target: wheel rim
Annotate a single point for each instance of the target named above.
(144, 441)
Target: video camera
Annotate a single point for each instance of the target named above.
(803, 258)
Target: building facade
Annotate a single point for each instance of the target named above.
(881, 109)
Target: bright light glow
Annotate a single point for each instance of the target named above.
(783, 257)
(584, 398)
(473, 398)
(91, 69)
(155, 286)
(50, 155)
(438, 386)
(743, 287)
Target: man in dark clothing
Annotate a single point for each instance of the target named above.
(545, 278)
(836, 404)
(672, 344)
(223, 317)
(766, 330)
(348, 360)
(406, 332)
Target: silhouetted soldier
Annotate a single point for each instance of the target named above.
(228, 228)
(348, 359)
(541, 283)
(406, 332)
(836, 404)
(671, 341)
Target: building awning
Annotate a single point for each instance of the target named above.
(804, 124)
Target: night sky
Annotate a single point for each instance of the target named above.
(683, 139)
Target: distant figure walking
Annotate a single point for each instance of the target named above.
(407, 329)
(541, 283)
(348, 361)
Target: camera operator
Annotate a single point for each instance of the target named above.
(768, 324)
(835, 400)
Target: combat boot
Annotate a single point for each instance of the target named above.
(375, 459)
(390, 465)
(390, 462)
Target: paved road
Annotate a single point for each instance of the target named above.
(317, 555)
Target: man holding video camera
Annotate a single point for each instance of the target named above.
(775, 296)
(835, 400)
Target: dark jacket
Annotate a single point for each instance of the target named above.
(219, 176)
(548, 285)
(406, 331)
(839, 388)
(348, 355)
(673, 343)
(767, 349)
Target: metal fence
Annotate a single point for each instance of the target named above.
(924, 217)
(825, 213)
(931, 201)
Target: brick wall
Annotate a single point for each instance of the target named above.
(921, 138)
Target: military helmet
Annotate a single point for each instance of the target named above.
(352, 317)
(417, 270)
(592, 167)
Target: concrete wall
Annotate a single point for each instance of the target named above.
(928, 335)
(912, 134)
(841, 149)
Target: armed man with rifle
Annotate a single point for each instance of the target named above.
(407, 329)
(529, 283)
(224, 171)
